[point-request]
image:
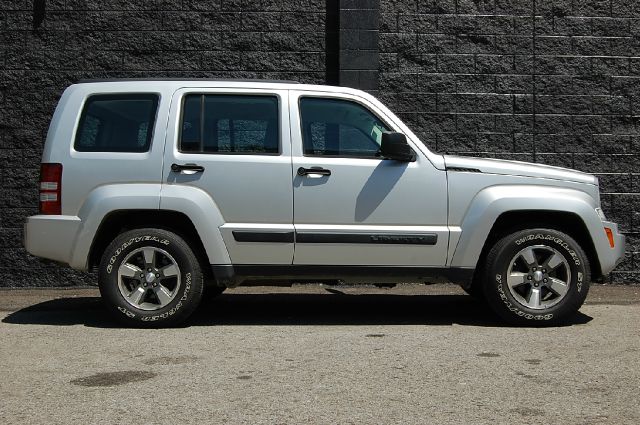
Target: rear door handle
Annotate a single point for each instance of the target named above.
(313, 171)
(176, 168)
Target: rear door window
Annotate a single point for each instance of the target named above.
(117, 123)
(230, 124)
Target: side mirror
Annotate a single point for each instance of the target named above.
(394, 146)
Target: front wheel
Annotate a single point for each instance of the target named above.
(536, 277)
(150, 278)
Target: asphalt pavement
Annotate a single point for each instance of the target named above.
(413, 354)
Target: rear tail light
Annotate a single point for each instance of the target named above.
(51, 189)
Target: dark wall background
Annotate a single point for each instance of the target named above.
(120, 38)
(464, 74)
(468, 76)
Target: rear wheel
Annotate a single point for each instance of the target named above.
(536, 276)
(150, 278)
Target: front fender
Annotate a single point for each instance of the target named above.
(493, 201)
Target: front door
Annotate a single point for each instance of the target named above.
(234, 145)
(350, 206)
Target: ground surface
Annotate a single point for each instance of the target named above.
(412, 354)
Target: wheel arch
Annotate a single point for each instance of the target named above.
(563, 221)
(107, 208)
(498, 210)
(120, 221)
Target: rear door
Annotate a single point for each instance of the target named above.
(350, 206)
(234, 144)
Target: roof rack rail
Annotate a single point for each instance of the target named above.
(230, 80)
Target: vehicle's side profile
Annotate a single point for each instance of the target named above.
(173, 187)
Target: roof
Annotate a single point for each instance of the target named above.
(144, 84)
(226, 80)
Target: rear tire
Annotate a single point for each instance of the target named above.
(536, 277)
(150, 278)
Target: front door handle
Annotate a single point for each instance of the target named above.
(313, 170)
(176, 168)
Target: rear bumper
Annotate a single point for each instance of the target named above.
(611, 257)
(51, 236)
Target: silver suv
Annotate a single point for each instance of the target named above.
(174, 188)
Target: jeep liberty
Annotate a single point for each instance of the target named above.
(172, 188)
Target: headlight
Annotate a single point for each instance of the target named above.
(601, 214)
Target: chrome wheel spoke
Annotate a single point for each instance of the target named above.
(149, 256)
(163, 294)
(516, 279)
(529, 257)
(169, 271)
(534, 298)
(129, 270)
(554, 261)
(137, 295)
(558, 286)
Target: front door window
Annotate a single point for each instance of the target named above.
(335, 127)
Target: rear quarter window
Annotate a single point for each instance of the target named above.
(117, 123)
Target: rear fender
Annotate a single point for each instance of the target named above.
(205, 215)
(192, 202)
(100, 202)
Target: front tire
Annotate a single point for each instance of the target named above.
(536, 277)
(150, 278)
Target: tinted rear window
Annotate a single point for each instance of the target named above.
(117, 123)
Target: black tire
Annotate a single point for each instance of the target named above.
(163, 291)
(552, 289)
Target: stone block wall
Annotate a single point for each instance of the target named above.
(555, 82)
(558, 85)
(44, 50)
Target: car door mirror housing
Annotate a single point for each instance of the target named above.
(394, 146)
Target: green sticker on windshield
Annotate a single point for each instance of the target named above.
(376, 133)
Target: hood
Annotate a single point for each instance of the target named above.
(516, 168)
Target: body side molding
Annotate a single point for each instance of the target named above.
(336, 238)
(253, 236)
(369, 238)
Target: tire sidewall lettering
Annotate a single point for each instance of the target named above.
(126, 312)
(514, 308)
(546, 238)
(127, 244)
(580, 278)
(174, 309)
